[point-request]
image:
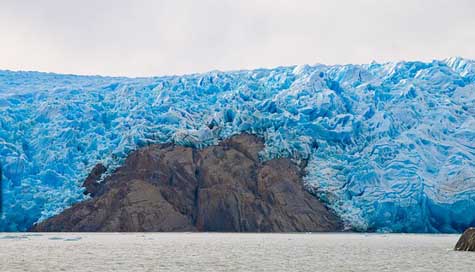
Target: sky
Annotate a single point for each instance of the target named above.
(156, 37)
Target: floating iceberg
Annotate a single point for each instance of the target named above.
(390, 147)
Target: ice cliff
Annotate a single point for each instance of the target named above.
(390, 147)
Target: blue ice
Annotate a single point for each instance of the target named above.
(390, 147)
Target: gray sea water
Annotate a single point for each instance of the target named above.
(230, 252)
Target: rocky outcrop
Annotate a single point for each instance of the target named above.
(226, 188)
(92, 183)
(466, 242)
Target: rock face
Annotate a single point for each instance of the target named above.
(91, 183)
(466, 241)
(218, 188)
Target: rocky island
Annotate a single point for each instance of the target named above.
(466, 242)
(226, 187)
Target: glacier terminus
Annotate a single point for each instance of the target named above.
(389, 147)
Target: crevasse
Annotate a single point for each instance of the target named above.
(390, 147)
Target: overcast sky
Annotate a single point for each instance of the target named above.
(142, 38)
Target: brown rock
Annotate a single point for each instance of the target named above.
(466, 242)
(91, 183)
(219, 188)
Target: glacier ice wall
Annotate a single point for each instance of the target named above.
(390, 147)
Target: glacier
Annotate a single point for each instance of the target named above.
(389, 147)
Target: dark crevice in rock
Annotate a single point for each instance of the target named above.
(225, 187)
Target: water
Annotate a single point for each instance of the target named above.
(230, 252)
